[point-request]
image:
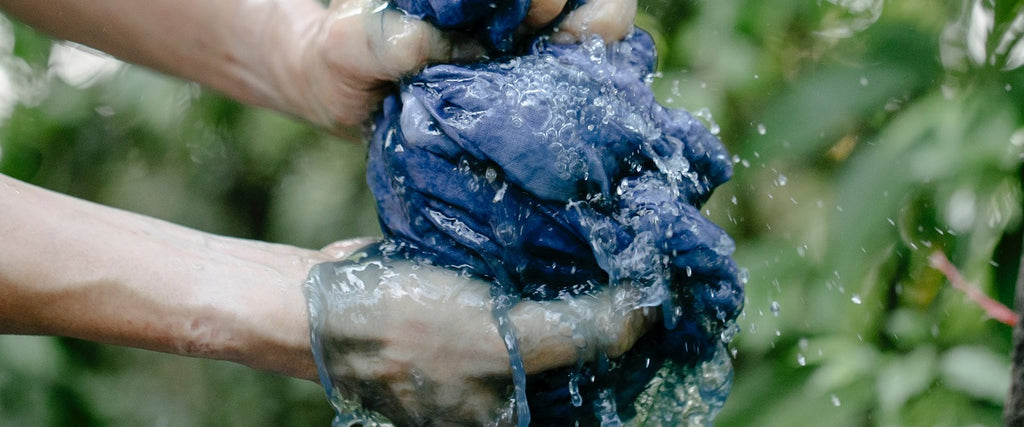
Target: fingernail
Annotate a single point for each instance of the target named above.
(562, 37)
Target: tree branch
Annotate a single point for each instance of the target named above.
(1013, 411)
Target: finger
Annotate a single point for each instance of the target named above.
(344, 248)
(542, 12)
(404, 44)
(625, 329)
(612, 20)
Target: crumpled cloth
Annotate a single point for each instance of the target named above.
(557, 173)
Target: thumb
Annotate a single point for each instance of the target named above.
(403, 44)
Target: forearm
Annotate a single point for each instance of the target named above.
(73, 268)
(243, 48)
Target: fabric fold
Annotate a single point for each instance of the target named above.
(554, 174)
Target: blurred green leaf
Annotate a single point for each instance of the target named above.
(976, 371)
(903, 377)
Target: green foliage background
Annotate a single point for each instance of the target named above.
(866, 135)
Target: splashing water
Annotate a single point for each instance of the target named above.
(687, 396)
(339, 295)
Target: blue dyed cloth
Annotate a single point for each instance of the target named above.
(493, 22)
(557, 173)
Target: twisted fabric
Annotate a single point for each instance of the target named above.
(554, 174)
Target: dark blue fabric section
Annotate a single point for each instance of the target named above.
(556, 173)
(493, 22)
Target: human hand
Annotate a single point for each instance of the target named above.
(419, 343)
(347, 55)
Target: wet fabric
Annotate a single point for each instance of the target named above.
(556, 173)
(493, 22)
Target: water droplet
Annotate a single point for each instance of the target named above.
(856, 299)
(776, 308)
(781, 180)
(863, 81)
(835, 400)
(705, 115)
(801, 360)
(574, 390)
(761, 130)
(500, 194)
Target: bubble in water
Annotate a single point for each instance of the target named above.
(761, 130)
(856, 299)
(835, 400)
(801, 360)
(776, 308)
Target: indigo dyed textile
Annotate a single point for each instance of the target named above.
(557, 173)
(493, 22)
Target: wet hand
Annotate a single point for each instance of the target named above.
(348, 55)
(419, 343)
